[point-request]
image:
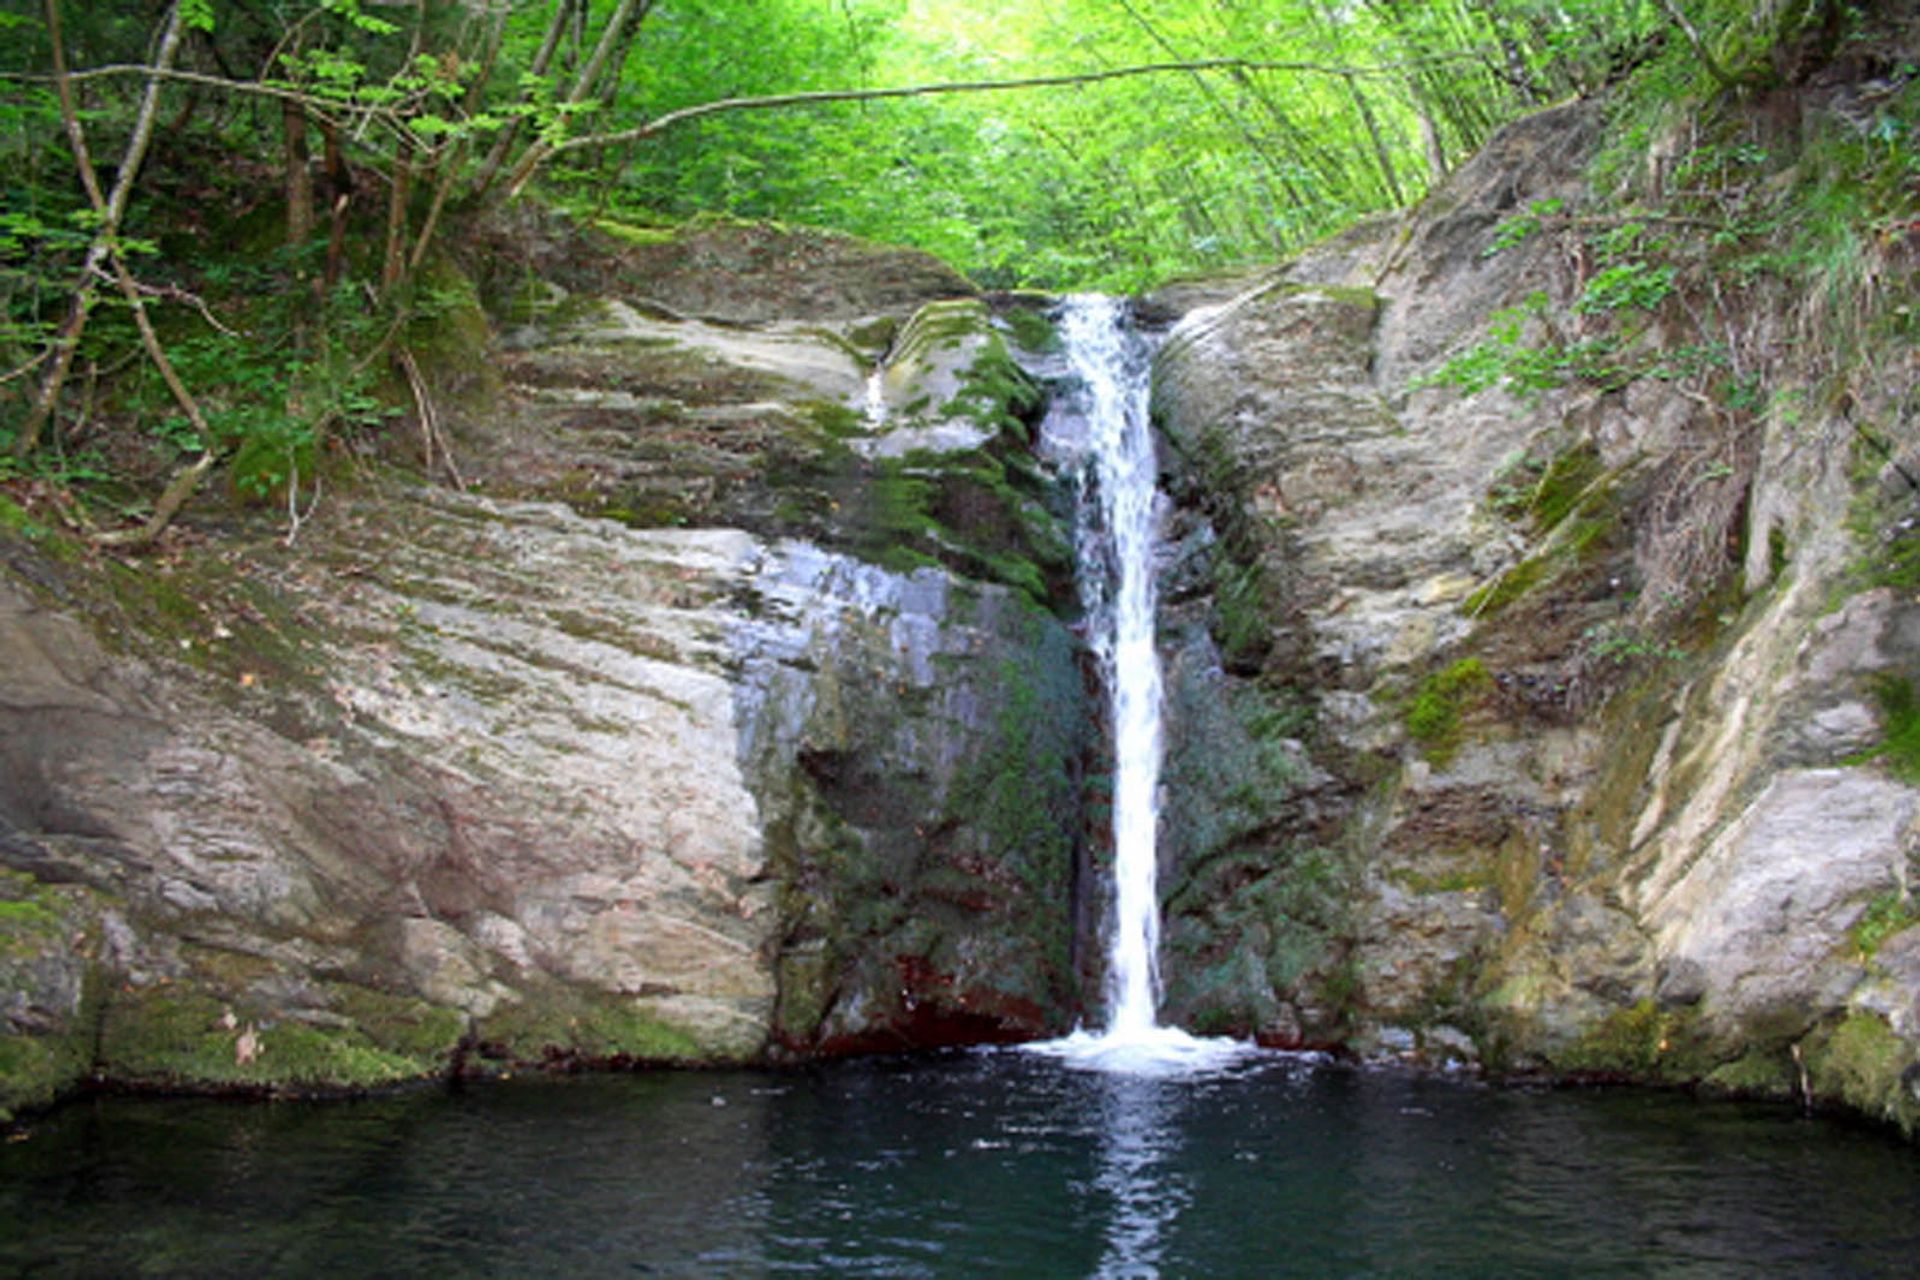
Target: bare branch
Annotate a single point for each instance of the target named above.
(259, 88)
(659, 124)
(172, 498)
(26, 368)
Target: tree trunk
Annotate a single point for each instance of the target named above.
(393, 263)
(111, 209)
(339, 199)
(503, 145)
(612, 36)
(299, 177)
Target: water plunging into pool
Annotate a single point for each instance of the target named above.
(1117, 540)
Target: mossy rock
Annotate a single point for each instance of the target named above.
(33, 915)
(1434, 714)
(1579, 512)
(1862, 1063)
(1031, 329)
(566, 1030)
(1645, 1042)
(172, 1037)
(1759, 1073)
(36, 1070)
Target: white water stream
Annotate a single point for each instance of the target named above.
(1117, 543)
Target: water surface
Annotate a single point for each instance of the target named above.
(988, 1164)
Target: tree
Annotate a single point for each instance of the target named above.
(1080, 142)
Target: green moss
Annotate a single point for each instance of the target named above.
(1502, 591)
(996, 394)
(1468, 879)
(1032, 331)
(834, 420)
(1561, 486)
(1251, 925)
(402, 1025)
(28, 915)
(1627, 1041)
(1861, 1062)
(874, 336)
(1777, 555)
(1575, 510)
(1434, 714)
(36, 1070)
(15, 519)
(180, 1039)
(1347, 295)
(629, 233)
(569, 1029)
(1899, 745)
(1897, 565)
(1760, 1073)
(35, 916)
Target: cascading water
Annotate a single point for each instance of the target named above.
(1116, 570)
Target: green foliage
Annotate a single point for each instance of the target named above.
(1242, 607)
(1517, 230)
(1112, 184)
(1890, 913)
(1900, 727)
(1638, 285)
(1502, 359)
(1616, 643)
(1433, 715)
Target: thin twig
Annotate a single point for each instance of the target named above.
(430, 433)
(174, 293)
(294, 518)
(26, 368)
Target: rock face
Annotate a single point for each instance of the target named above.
(704, 724)
(1537, 725)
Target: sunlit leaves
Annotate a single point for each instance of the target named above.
(197, 15)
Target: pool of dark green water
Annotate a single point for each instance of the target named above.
(984, 1164)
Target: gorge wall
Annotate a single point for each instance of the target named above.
(705, 721)
(1542, 722)
(715, 717)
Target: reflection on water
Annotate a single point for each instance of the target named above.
(972, 1165)
(1138, 1174)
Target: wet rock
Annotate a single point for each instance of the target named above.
(541, 772)
(1580, 849)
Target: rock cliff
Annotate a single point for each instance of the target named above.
(1538, 695)
(708, 720)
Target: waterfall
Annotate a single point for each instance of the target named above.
(1112, 441)
(1111, 365)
